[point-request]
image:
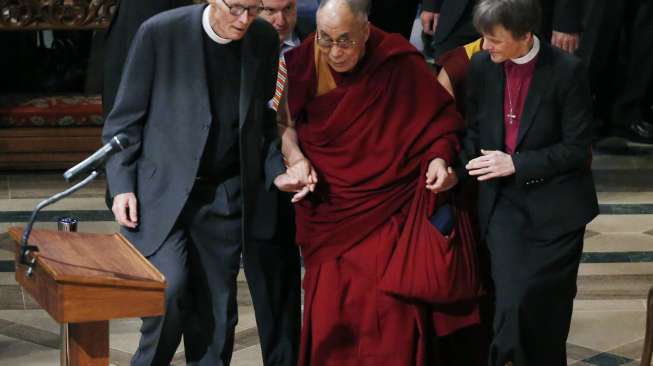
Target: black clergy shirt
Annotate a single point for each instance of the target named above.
(221, 153)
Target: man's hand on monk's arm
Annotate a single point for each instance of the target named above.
(491, 164)
(303, 171)
(286, 183)
(289, 141)
(440, 177)
(300, 177)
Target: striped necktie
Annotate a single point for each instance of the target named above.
(282, 81)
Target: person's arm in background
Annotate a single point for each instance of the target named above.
(430, 15)
(566, 25)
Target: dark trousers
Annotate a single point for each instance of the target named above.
(617, 46)
(535, 283)
(638, 75)
(200, 260)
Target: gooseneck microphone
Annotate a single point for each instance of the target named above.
(99, 158)
(90, 164)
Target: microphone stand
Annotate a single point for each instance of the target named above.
(26, 250)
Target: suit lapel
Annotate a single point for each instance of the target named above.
(249, 69)
(497, 82)
(542, 77)
(198, 75)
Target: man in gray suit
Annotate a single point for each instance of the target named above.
(195, 189)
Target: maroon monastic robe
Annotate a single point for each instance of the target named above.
(366, 138)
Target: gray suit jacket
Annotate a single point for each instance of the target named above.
(163, 106)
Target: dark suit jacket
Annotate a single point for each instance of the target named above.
(128, 17)
(553, 153)
(455, 26)
(560, 15)
(163, 106)
(452, 10)
(394, 16)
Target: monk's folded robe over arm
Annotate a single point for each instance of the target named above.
(366, 138)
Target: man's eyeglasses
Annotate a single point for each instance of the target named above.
(237, 9)
(288, 10)
(342, 43)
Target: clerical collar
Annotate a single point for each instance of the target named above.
(206, 24)
(530, 55)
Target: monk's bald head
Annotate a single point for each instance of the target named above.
(358, 9)
(342, 31)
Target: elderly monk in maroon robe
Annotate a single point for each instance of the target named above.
(371, 123)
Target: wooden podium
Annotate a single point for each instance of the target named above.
(86, 280)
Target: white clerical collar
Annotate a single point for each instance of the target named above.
(290, 42)
(206, 24)
(530, 55)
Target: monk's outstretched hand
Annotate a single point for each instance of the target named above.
(440, 177)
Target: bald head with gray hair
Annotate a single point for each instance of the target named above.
(359, 8)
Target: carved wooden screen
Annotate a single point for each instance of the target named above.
(56, 14)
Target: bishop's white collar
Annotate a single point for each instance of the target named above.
(206, 24)
(530, 55)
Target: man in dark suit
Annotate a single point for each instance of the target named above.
(528, 144)
(282, 14)
(449, 22)
(618, 49)
(129, 15)
(561, 23)
(394, 16)
(195, 189)
(636, 78)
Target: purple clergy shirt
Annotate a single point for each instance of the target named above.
(518, 81)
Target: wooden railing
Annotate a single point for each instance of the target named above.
(56, 14)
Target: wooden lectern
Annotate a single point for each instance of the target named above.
(86, 280)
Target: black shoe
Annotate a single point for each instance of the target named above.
(639, 132)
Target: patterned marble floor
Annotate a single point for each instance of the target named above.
(609, 313)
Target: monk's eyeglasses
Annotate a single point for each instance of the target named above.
(342, 43)
(237, 9)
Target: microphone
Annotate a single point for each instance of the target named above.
(118, 143)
